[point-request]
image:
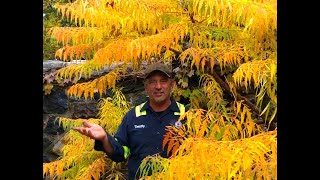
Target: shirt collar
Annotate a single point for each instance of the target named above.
(173, 106)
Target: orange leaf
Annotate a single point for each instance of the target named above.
(203, 63)
(175, 147)
(165, 140)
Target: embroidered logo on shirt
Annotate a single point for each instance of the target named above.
(139, 126)
(177, 124)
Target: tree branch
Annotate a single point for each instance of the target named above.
(226, 87)
(175, 51)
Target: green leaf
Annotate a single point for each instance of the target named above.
(186, 93)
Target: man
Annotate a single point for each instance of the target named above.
(142, 129)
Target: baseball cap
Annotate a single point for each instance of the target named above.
(158, 66)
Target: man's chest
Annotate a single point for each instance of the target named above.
(148, 130)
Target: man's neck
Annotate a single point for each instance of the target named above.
(158, 107)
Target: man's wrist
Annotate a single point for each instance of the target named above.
(105, 138)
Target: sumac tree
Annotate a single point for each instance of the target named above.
(228, 46)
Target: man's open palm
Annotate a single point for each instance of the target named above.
(91, 130)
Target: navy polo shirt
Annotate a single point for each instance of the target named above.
(143, 135)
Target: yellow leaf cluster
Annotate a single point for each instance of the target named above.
(80, 51)
(79, 160)
(75, 71)
(47, 88)
(258, 71)
(130, 50)
(99, 85)
(244, 121)
(263, 75)
(77, 35)
(67, 123)
(124, 50)
(94, 170)
(112, 110)
(68, 166)
(248, 158)
(53, 167)
(212, 91)
(206, 57)
(259, 18)
(120, 16)
(103, 22)
(216, 123)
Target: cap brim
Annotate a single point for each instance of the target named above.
(147, 75)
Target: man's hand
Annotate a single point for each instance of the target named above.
(92, 130)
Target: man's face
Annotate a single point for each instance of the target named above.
(158, 87)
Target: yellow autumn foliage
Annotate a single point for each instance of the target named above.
(205, 158)
(220, 139)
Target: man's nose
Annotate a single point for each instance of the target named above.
(158, 85)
